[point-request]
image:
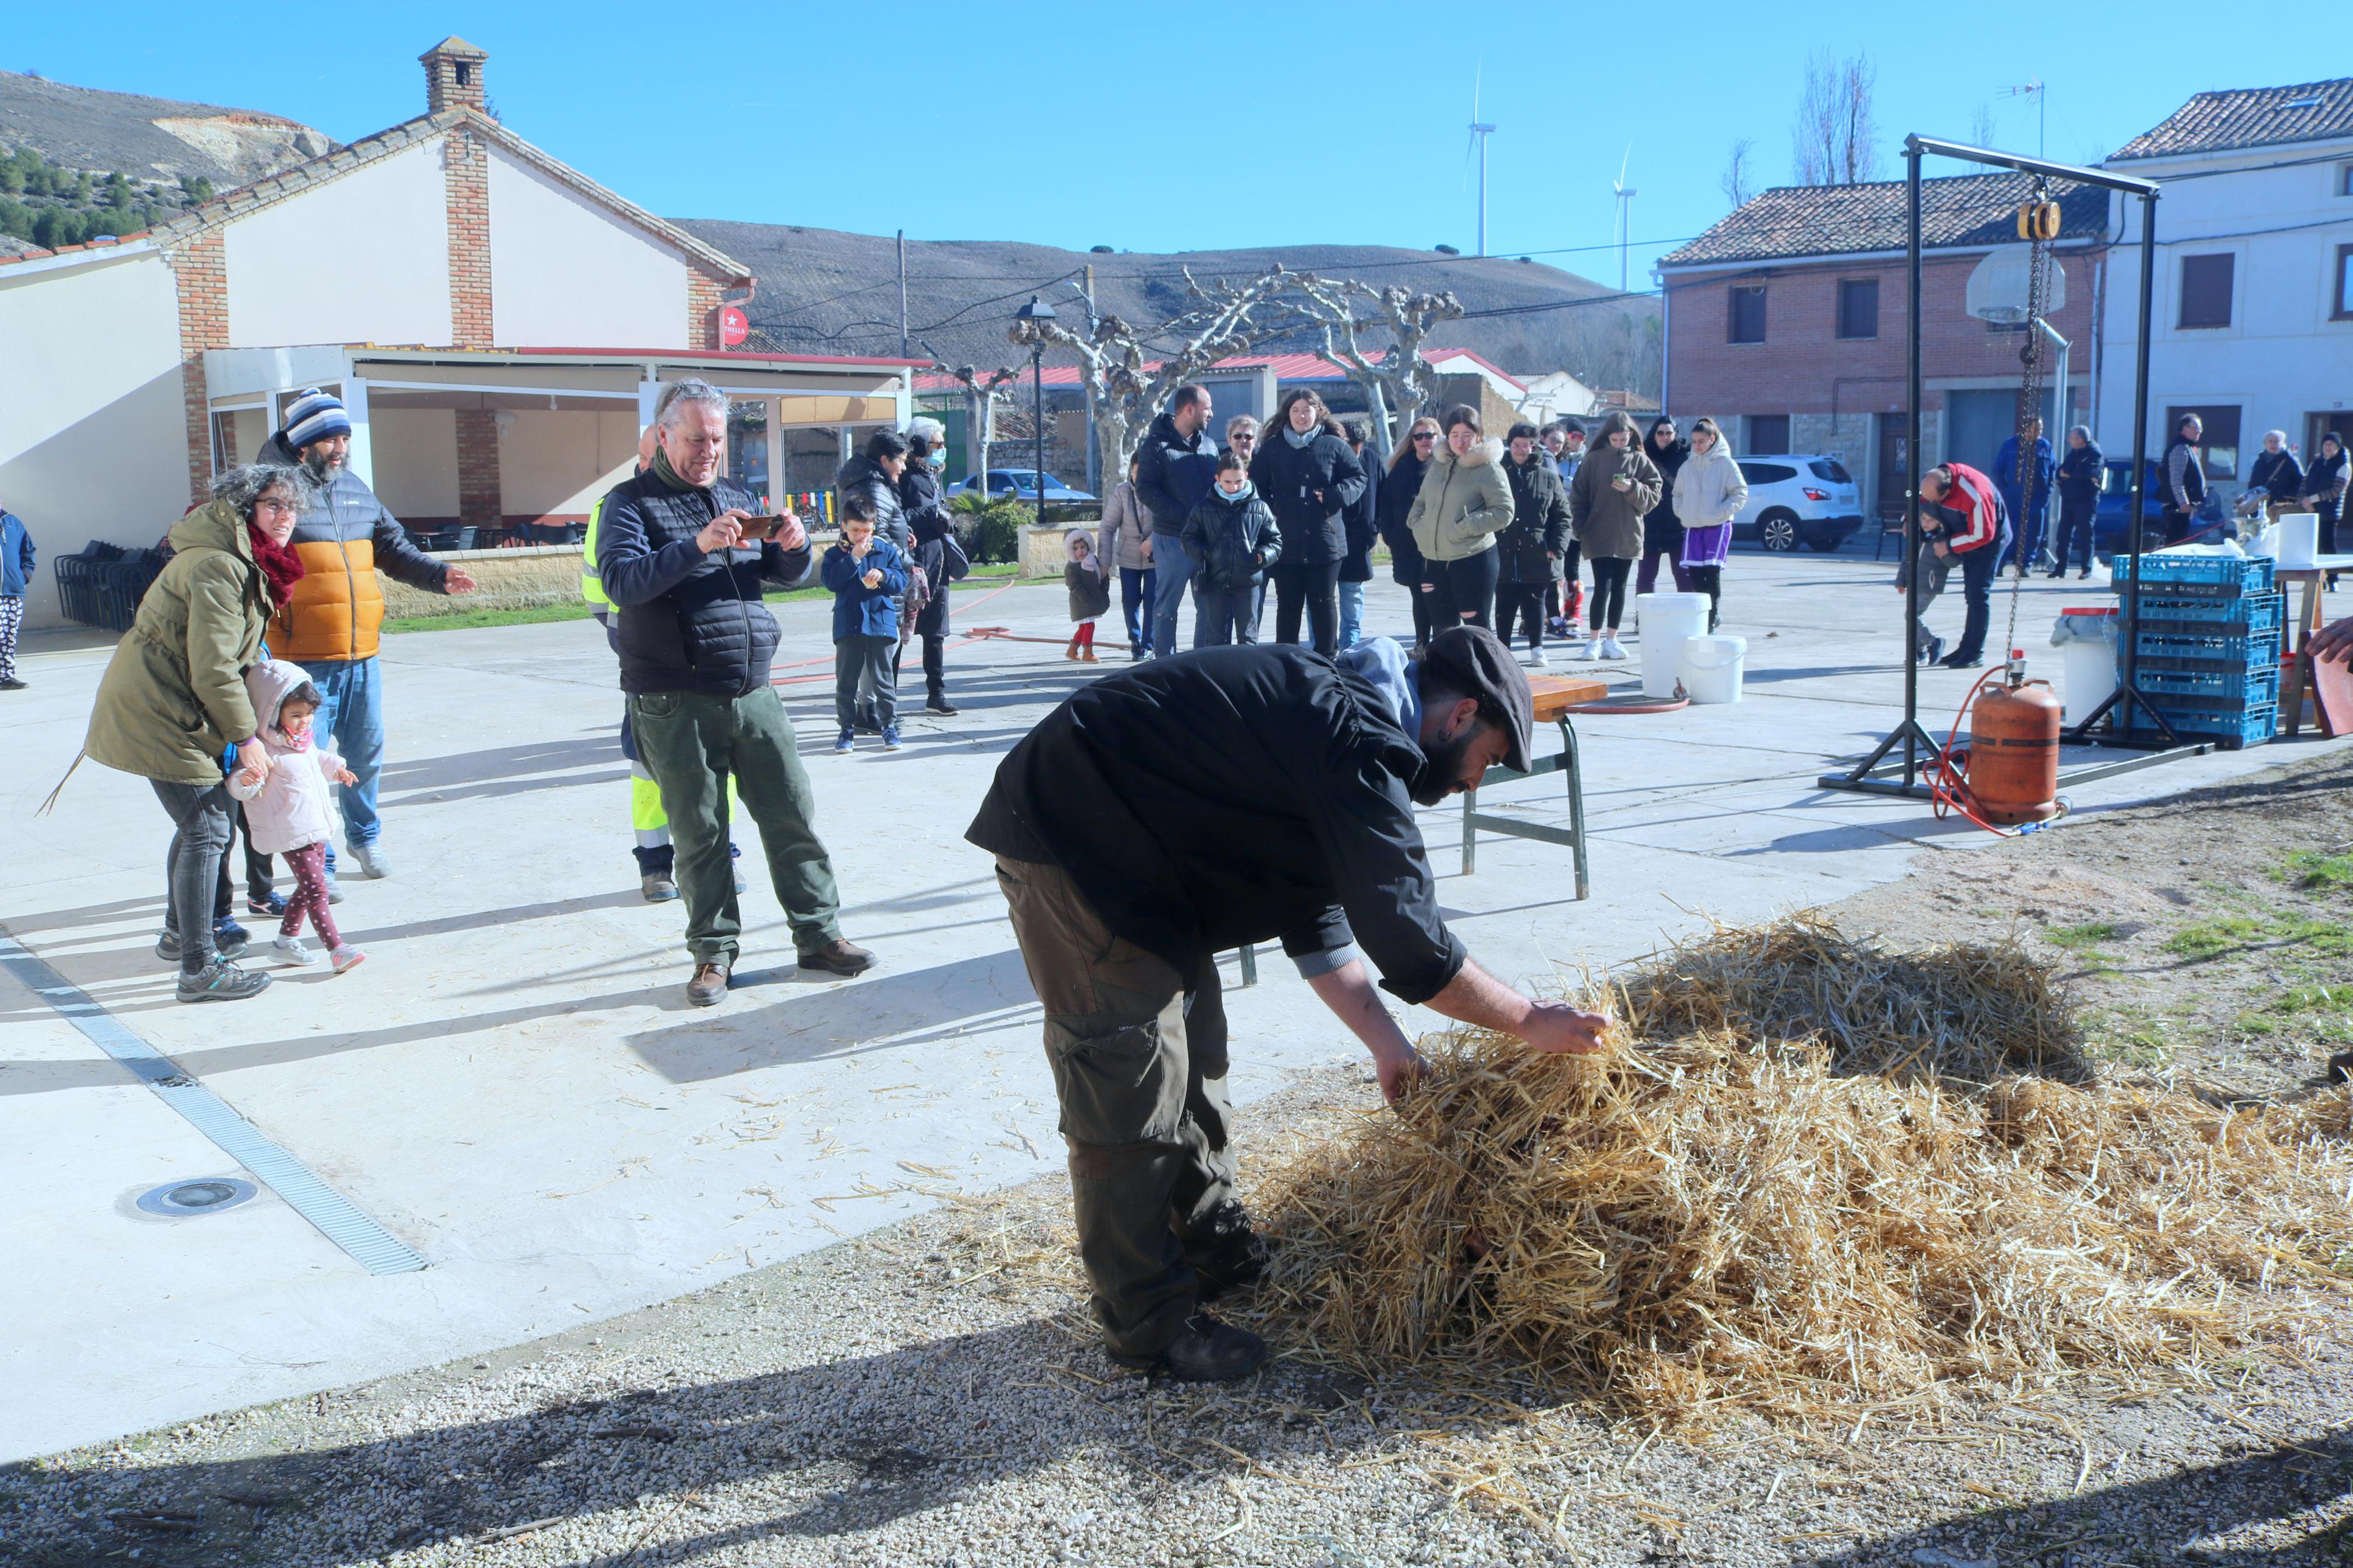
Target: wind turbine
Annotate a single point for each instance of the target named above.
(1480, 131)
(1625, 198)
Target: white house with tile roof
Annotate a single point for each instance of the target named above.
(2252, 325)
(497, 323)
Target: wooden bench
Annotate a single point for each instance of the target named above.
(1555, 695)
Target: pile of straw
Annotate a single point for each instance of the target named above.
(1807, 1173)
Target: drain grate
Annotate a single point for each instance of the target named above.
(337, 1219)
(176, 1200)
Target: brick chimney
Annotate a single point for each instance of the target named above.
(453, 74)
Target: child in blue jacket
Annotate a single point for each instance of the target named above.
(865, 574)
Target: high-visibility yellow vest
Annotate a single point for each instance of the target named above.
(592, 587)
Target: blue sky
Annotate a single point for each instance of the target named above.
(1174, 128)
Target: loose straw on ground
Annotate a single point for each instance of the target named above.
(1810, 1175)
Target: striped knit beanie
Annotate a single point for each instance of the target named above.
(314, 416)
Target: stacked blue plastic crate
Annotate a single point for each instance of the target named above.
(2209, 644)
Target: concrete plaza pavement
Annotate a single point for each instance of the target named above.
(515, 1086)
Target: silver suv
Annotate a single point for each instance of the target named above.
(1807, 499)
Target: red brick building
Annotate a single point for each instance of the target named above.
(1786, 322)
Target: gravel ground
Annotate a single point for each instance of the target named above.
(931, 1393)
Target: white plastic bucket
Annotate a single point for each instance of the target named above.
(1669, 620)
(1712, 667)
(2090, 673)
(2296, 541)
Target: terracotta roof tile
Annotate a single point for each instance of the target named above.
(2249, 117)
(1798, 221)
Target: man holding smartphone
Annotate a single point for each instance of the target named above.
(696, 642)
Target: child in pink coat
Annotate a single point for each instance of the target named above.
(288, 810)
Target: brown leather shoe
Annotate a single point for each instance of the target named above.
(709, 985)
(838, 956)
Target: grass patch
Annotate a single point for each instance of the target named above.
(2316, 872)
(2081, 938)
(2212, 938)
(470, 620)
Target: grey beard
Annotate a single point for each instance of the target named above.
(322, 464)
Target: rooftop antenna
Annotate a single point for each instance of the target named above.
(1480, 131)
(1625, 198)
(2040, 92)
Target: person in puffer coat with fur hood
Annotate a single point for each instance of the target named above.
(288, 810)
(1528, 553)
(1614, 490)
(1464, 501)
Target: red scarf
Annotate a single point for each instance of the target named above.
(279, 563)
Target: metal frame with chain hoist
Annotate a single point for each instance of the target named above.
(1885, 772)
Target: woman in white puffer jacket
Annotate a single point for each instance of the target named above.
(1710, 490)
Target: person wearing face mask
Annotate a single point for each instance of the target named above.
(1528, 553)
(2324, 490)
(1236, 795)
(871, 477)
(1311, 480)
(1663, 528)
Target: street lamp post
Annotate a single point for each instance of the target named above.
(1036, 310)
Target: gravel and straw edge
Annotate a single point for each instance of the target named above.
(1809, 1176)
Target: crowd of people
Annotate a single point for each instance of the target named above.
(1482, 531)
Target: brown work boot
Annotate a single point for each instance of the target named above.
(709, 985)
(840, 956)
(1207, 1351)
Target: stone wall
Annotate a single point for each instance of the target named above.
(510, 580)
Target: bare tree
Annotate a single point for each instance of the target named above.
(982, 391)
(1981, 131)
(1738, 181)
(1126, 379)
(1397, 381)
(1834, 139)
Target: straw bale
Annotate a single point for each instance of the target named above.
(1809, 1174)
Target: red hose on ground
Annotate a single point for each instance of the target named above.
(1949, 784)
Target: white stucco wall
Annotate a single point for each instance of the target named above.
(565, 273)
(2281, 358)
(416, 461)
(362, 258)
(557, 463)
(93, 439)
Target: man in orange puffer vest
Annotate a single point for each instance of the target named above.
(330, 621)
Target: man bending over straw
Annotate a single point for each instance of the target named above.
(1192, 805)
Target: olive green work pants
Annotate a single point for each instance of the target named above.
(1138, 1052)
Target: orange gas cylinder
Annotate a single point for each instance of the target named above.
(2013, 768)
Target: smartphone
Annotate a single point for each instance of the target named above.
(758, 528)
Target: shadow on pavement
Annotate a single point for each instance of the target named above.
(889, 1011)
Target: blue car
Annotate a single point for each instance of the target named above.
(1020, 484)
(2116, 505)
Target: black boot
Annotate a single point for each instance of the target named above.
(1207, 1351)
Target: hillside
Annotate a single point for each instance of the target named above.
(148, 139)
(823, 291)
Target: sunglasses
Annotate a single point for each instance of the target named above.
(1425, 434)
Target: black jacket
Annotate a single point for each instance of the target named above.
(1363, 523)
(689, 622)
(1232, 540)
(1530, 549)
(1234, 794)
(862, 476)
(2276, 473)
(1661, 528)
(1173, 472)
(1398, 487)
(2081, 474)
(1310, 490)
(927, 520)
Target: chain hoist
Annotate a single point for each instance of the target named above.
(2038, 225)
